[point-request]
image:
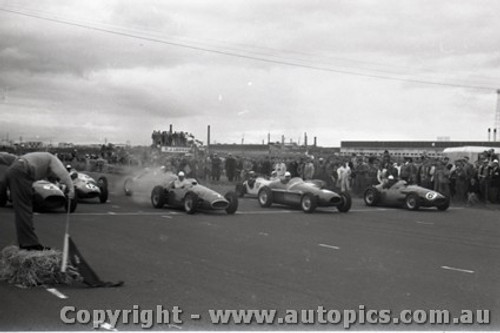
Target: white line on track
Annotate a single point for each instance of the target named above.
(174, 326)
(166, 216)
(427, 223)
(457, 269)
(56, 293)
(333, 247)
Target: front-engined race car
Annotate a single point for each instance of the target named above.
(87, 188)
(46, 196)
(145, 180)
(306, 194)
(251, 186)
(401, 194)
(193, 197)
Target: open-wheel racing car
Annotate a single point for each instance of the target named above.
(193, 197)
(401, 194)
(47, 196)
(251, 186)
(87, 187)
(308, 195)
(145, 180)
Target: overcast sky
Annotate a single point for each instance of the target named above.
(89, 71)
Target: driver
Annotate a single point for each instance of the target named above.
(181, 180)
(389, 181)
(286, 178)
(251, 179)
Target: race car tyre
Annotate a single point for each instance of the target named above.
(308, 203)
(444, 206)
(371, 196)
(102, 181)
(3, 194)
(240, 190)
(127, 187)
(72, 205)
(158, 197)
(232, 197)
(412, 202)
(103, 186)
(346, 204)
(190, 202)
(265, 197)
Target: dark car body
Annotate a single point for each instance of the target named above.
(306, 194)
(192, 197)
(47, 196)
(401, 194)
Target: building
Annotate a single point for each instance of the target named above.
(406, 148)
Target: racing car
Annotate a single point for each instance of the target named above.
(251, 186)
(87, 188)
(145, 180)
(308, 195)
(193, 197)
(46, 196)
(401, 194)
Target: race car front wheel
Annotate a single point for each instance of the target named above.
(190, 203)
(412, 201)
(158, 197)
(72, 205)
(265, 197)
(346, 203)
(308, 203)
(240, 190)
(371, 197)
(233, 202)
(103, 187)
(127, 187)
(444, 206)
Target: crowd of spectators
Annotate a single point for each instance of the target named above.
(462, 180)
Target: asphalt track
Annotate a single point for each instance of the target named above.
(276, 258)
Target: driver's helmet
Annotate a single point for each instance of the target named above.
(288, 175)
(251, 174)
(68, 167)
(391, 177)
(181, 175)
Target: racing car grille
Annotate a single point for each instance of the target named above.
(53, 202)
(219, 205)
(335, 200)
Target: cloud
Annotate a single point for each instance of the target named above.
(81, 84)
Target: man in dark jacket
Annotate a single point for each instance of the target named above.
(230, 166)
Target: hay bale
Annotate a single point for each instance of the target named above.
(34, 268)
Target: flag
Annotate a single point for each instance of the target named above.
(90, 278)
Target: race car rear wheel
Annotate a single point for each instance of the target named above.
(127, 187)
(240, 190)
(346, 203)
(158, 197)
(232, 197)
(265, 197)
(190, 202)
(412, 202)
(103, 186)
(371, 196)
(308, 203)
